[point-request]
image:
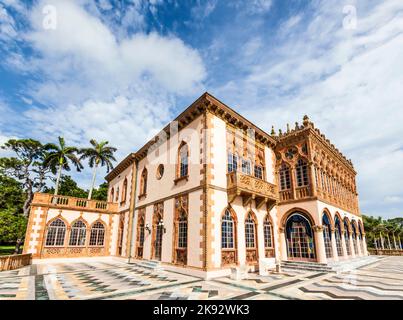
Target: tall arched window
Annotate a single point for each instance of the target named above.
(232, 162)
(124, 191)
(117, 194)
(143, 182)
(285, 178)
(354, 236)
(227, 231)
(327, 235)
(112, 194)
(347, 237)
(250, 232)
(228, 238)
(140, 233)
(300, 238)
(302, 173)
(183, 161)
(337, 235)
(182, 231)
(268, 237)
(56, 233)
(78, 234)
(250, 239)
(97, 235)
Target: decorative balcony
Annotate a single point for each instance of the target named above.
(251, 188)
(72, 203)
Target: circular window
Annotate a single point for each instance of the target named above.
(160, 171)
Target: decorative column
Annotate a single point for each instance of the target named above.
(320, 244)
(283, 245)
(293, 182)
(343, 244)
(359, 253)
(364, 244)
(334, 247)
(314, 187)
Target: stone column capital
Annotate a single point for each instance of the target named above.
(317, 228)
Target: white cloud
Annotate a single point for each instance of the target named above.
(7, 24)
(83, 49)
(348, 81)
(97, 85)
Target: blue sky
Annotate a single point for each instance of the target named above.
(120, 70)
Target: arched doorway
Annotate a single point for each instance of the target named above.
(338, 234)
(158, 231)
(299, 238)
(327, 235)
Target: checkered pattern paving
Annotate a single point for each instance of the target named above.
(117, 280)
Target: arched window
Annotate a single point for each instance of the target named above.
(327, 235)
(124, 191)
(228, 238)
(143, 182)
(246, 166)
(140, 233)
(300, 238)
(227, 231)
(112, 194)
(337, 235)
(354, 236)
(78, 234)
(56, 233)
(250, 239)
(97, 235)
(302, 173)
(347, 237)
(232, 162)
(182, 231)
(268, 237)
(285, 178)
(117, 194)
(250, 232)
(183, 161)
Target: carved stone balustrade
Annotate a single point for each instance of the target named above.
(251, 188)
(72, 203)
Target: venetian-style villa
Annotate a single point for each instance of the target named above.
(209, 193)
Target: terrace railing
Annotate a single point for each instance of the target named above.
(15, 261)
(73, 203)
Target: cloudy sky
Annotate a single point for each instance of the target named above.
(120, 70)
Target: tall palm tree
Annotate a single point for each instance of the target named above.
(98, 154)
(58, 158)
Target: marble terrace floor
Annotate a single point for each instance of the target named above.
(110, 279)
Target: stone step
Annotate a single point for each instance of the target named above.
(303, 270)
(303, 263)
(150, 264)
(306, 266)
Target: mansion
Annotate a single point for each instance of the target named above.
(211, 192)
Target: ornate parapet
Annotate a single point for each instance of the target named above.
(72, 203)
(251, 188)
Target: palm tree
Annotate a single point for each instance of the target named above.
(98, 154)
(58, 158)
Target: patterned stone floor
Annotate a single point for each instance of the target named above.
(117, 280)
